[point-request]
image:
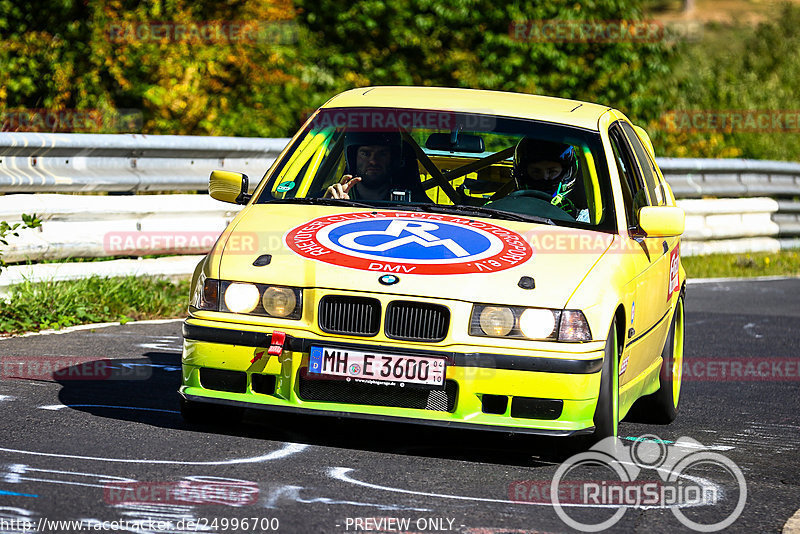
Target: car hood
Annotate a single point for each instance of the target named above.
(556, 258)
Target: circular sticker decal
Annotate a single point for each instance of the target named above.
(284, 187)
(411, 243)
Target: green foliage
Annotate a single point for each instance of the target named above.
(68, 55)
(468, 43)
(45, 305)
(65, 54)
(783, 263)
(6, 230)
(737, 68)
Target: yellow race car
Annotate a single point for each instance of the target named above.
(448, 257)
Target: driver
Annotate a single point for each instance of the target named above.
(375, 169)
(551, 168)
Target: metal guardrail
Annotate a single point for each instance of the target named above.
(91, 226)
(59, 163)
(731, 178)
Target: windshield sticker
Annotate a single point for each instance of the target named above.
(284, 187)
(413, 243)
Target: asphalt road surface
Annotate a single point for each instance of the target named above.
(114, 453)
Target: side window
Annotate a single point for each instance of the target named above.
(657, 196)
(633, 190)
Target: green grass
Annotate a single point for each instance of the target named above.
(785, 262)
(44, 305)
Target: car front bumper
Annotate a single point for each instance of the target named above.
(545, 394)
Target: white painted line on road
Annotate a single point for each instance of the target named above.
(6, 398)
(342, 474)
(293, 493)
(684, 444)
(80, 327)
(62, 406)
(792, 526)
(15, 472)
(739, 279)
(748, 328)
(288, 450)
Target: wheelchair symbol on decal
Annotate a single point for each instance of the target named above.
(420, 235)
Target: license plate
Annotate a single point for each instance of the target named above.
(372, 366)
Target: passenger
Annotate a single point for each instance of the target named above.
(551, 168)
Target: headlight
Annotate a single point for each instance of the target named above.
(537, 323)
(529, 323)
(253, 299)
(241, 297)
(496, 321)
(279, 301)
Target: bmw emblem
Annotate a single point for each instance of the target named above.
(388, 279)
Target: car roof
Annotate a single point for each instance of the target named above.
(545, 108)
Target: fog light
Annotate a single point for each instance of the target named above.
(496, 321)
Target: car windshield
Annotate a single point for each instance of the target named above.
(447, 162)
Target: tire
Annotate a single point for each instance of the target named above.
(661, 407)
(606, 413)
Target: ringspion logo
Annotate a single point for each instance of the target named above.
(705, 490)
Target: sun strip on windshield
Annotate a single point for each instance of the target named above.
(595, 191)
(298, 161)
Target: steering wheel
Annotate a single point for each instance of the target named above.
(540, 204)
(531, 193)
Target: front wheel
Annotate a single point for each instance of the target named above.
(606, 414)
(661, 407)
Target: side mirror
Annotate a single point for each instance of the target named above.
(229, 187)
(662, 221)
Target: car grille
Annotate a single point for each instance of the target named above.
(416, 321)
(343, 392)
(358, 316)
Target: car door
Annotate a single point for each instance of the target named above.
(663, 250)
(646, 316)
